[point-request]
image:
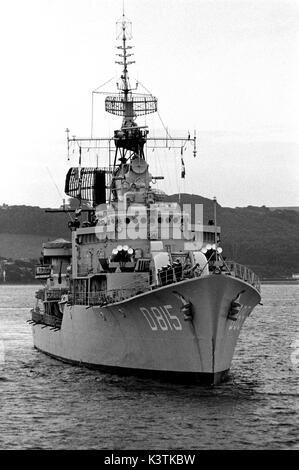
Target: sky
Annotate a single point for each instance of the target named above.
(228, 69)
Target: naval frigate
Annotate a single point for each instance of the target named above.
(142, 287)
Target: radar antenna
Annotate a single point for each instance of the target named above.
(125, 103)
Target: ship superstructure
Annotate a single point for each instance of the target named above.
(141, 286)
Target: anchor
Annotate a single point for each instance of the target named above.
(235, 307)
(186, 308)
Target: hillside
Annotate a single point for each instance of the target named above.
(17, 245)
(281, 208)
(32, 221)
(266, 240)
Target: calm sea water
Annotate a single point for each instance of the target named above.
(45, 404)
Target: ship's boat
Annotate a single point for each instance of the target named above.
(142, 287)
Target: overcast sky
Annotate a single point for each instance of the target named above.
(227, 68)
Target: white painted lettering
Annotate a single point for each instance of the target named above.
(175, 321)
(165, 316)
(159, 318)
(149, 318)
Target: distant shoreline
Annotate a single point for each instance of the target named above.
(280, 281)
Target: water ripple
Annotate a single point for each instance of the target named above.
(46, 404)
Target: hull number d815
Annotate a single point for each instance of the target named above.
(161, 318)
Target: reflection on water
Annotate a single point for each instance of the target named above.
(50, 405)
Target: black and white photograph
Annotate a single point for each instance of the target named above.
(149, 228)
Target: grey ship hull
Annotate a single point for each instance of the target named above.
(148, 333)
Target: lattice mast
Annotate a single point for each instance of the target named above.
(125, 86)
(128, 104)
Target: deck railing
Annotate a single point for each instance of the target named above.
(51, 294)
(244, 273)
(103, 297)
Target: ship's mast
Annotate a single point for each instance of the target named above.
(129, 172)
(125, 87)
(130, 139)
